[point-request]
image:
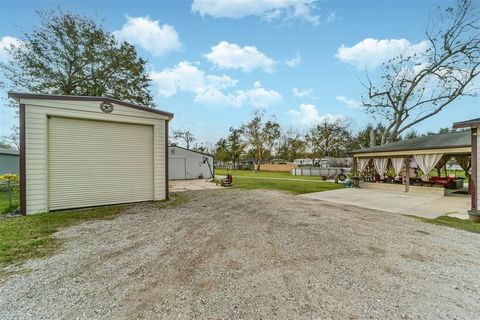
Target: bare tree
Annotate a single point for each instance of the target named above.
(418, 85)
(186, 136)
(11, 141)
(328, 138)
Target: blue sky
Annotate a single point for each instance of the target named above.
(299, 62)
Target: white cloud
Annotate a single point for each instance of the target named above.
(268, 10)
(349, 103)
(303, 93)
(308, 115)
(257, 97)
(371, 53)
(6, 43)
(210, 89)
(295, 61)
(183, 77)
(231, 56)
(151, 35)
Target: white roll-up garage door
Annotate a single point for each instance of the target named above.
(94, 163)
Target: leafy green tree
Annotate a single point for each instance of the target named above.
(258, 134)
(329, 138)
(70, 54)
(291, 146)
(272, 134)
(221, 150)
(363, 138)
(411, 135)
(4, 144)
(235, 145)
(12, 140)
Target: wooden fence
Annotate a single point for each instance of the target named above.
(286, 167)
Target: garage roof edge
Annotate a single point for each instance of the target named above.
(21, 95)
(12, 152)
(199, 152)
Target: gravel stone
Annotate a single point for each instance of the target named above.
(238, 254)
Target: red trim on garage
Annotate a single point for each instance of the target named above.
(20, 95)
(23, 171)
(167, 195)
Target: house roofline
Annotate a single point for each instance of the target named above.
(467, 124)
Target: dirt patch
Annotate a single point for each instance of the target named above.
(252, 254)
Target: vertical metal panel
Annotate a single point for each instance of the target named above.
(97, 163)
(177, 168)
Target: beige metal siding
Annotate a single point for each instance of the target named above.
(98, 162)
(36, 120)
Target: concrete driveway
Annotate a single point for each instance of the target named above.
(191, 185)
(421, 205)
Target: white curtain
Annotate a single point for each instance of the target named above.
(397, 164)
(380, 166)
(362, 164)
(426, 162)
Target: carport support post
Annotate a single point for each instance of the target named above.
(407, 174)
(474, 213)
(354, 165)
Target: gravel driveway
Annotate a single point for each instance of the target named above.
(240, 254)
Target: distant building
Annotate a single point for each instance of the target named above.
(9, 161)
(303, 162)
(187, 164)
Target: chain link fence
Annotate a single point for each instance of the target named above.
(9, 189)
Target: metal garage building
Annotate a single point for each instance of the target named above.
(9, 161)
(89, 151)
(188, 164)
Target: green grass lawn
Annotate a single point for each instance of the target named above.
(263, 174)
(27, 237)
(246, 179)
(454, 223)
(4, 204)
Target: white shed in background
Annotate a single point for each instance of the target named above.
(187, 164)
(89, 151)
(9, 161)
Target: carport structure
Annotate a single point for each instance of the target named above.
(425, 153)
(474, 125)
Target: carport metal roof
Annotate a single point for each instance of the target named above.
(447, 143)
(468, 123)
(9, 152)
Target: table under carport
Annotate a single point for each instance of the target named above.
(394, 166)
